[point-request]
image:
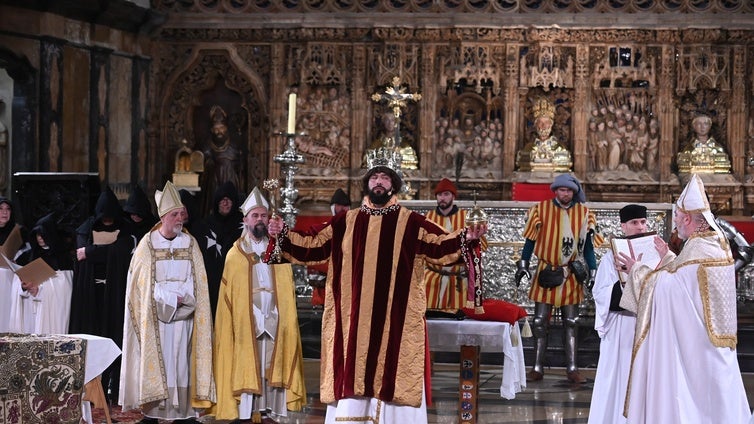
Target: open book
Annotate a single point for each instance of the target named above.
(639, 247)
(11, 245)
(35, 272)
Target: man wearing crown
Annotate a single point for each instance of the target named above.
(684, 367)
(374, 351)
(167, 336)
(545, 153)
(258, 357)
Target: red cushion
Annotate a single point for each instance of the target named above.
(497, 310)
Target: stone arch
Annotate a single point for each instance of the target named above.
(201, 71)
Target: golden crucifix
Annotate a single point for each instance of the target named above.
(396, 97)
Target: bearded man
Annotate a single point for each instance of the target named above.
(374, 351)
(684, 367)
(258, 356)
(447, 287)
(559, 231)
(167, 333)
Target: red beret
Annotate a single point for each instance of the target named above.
(446, 185)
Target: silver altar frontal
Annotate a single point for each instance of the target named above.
(506, 221)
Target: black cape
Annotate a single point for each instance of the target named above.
(215, 236)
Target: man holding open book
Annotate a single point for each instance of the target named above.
(614, 325)
(684, 368)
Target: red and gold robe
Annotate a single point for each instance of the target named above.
(373, 329)
(544, 227)
(454, 296)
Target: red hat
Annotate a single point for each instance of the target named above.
(446, 185)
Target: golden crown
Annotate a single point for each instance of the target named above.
(385, 156)
(543, 108)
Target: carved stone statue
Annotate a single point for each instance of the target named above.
(703, 154)
(221, 154)
(388, 137)
(544, 153)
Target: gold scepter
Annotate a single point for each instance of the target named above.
(475, 217)
(272, 186)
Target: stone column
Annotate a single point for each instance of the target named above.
(667, 117)
(737, 125)
(427, 141)
(512, 110)
(359, 107)
(278, 105)
(580, 113)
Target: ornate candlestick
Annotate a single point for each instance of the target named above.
(288, 161)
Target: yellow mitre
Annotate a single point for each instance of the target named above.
(167, 200)
(543, 108)
(254, 200)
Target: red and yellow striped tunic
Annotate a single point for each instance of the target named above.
(373, 329)
(453, 297)
(544, 227)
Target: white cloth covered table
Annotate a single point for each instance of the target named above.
(100, 353)
(490, 336)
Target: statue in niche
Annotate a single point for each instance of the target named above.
(390, 133)
(221, 155)
(703, 154)
(545, 153)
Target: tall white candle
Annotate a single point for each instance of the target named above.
(292, 113)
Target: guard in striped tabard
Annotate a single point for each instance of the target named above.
(447, 286)
(559, 231)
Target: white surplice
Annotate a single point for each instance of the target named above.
(266, 320)
(374, 411)
(46, 313)
(616, 331)
(679, 375)
(174, 279)
(6, 298)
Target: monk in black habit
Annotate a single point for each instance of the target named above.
(104, 244)
(216, 235)
(139, 213)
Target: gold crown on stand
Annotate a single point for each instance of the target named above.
(543, 108)
(385, 156)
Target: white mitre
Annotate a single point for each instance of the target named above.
(693, 200)
(167, 200)
(254, 200)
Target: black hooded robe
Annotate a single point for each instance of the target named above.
(216, 235)
(97, 307)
